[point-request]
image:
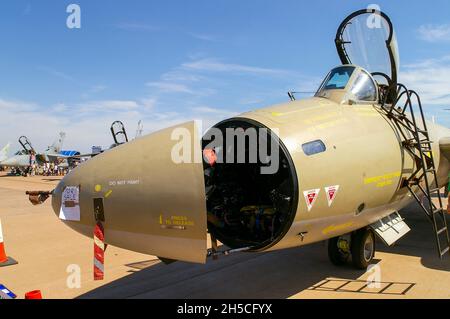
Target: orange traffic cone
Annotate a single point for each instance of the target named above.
(4, 260)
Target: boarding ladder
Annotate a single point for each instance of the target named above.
(422, 184)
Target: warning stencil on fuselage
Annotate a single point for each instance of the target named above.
(311, 197)
(331, 192)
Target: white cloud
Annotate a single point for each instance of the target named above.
(429, 63)
(148, 104)
(88, 124)
(181, 76)
(115, 105)
(430, 78)
(209, 77)
(16, 106)
(101, 106)
(212, 65)
(118, 107)
(435, 33)
(169, 87)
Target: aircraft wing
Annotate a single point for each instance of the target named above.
(54, 157)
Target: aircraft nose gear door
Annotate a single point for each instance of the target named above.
(367, 38)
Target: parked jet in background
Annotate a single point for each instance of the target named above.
(21, 160)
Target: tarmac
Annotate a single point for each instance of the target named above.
(50, 255)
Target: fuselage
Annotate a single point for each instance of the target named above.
(363, 156)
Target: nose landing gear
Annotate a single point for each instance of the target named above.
(359, 247)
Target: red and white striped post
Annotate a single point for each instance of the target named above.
(99, 252)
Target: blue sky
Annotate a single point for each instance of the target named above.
(165, 62)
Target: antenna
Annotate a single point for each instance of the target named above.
(291, 94)
(139, 130)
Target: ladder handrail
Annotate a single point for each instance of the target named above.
(424, 160)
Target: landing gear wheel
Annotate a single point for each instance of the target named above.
(363, 248)
(335, 254)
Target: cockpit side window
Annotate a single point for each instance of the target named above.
(364, 88)
(337, 79)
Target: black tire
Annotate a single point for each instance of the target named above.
(363, 248)
(335, 255)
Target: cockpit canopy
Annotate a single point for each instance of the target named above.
(367, 38)
(367, 46)
(349, 84)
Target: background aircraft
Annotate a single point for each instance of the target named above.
(119, 135)
(21, 160)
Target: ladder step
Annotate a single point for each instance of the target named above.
(442, 230)
(424, 142)
(446, 250)
(434, 190)
(414, 142)
(430, 170)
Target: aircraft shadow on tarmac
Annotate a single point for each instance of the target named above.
(363, 286)
(267, 275)
(279, 274)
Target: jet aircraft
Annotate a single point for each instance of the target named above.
(335, 167)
